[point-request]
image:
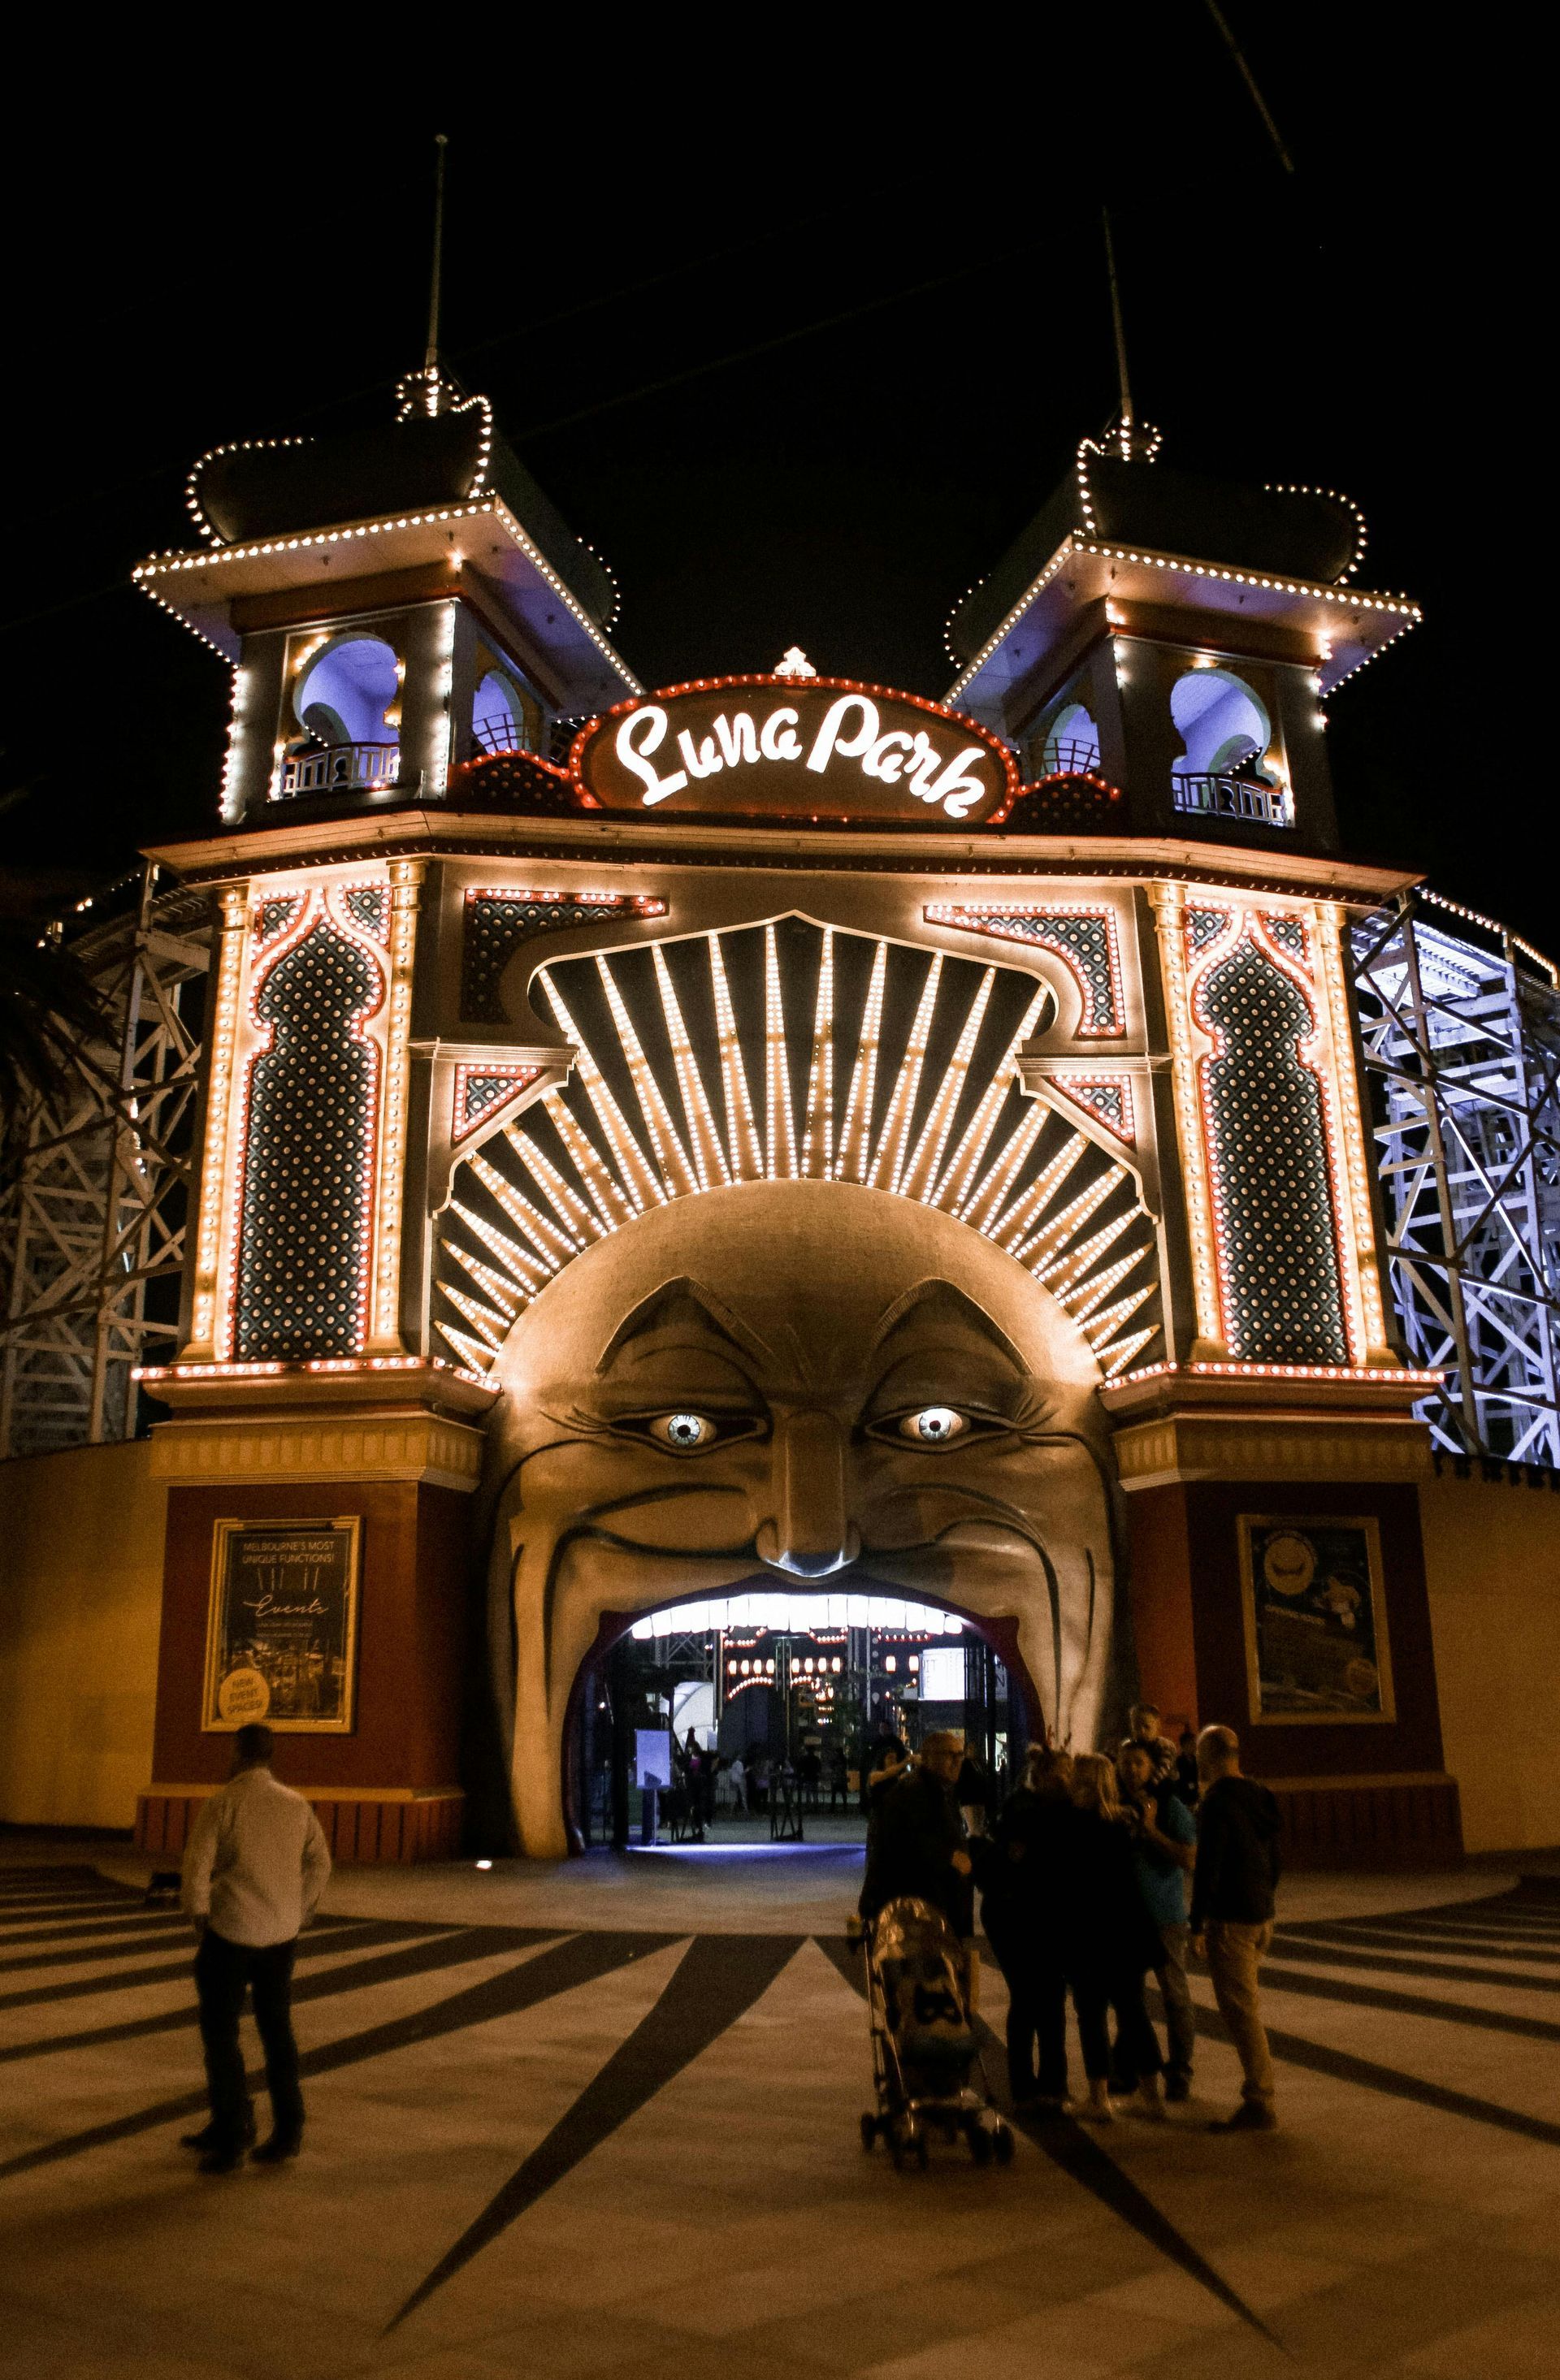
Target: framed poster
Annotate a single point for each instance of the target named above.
(282, 1627)
(1316, 1643)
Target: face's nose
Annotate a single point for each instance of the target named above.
(812, 1535)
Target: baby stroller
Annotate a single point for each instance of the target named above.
(926, 2053)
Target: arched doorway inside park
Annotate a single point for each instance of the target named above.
(788, 1700)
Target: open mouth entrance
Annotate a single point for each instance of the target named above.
(756, 1718)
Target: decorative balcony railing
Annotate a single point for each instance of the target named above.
(341, 769)
(1236, 798)
(498, 735)
(1070, 758)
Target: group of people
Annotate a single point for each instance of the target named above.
(1082, 1874)
(1084, 1879)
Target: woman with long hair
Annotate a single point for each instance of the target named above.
(1020, 1912)
(1109, 1941)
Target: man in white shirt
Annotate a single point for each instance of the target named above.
(254, 1869)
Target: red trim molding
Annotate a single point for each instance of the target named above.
(1370, 1822)
(362, 1829)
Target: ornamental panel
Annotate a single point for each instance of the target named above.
(1275, 1219)
(1083, 937)
(498, 921)
(307, 1180)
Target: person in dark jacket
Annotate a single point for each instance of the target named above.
(1163, 1835)
(1019, 1911)
(1232, 1908)
(918, 1840)
(1109, 1942)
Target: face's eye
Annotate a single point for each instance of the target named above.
(933, 1425)
(683, 1430)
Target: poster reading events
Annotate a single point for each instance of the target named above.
(282, 1630)
(1315, 1627)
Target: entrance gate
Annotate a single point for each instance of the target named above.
(793, 1696)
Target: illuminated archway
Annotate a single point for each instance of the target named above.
(790, 1158)
(766, 1673)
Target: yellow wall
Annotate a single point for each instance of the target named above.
(1493, 1560)
(80, 1603)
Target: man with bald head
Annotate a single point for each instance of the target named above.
(1232, 1911)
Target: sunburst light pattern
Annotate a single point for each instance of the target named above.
(794, 1052)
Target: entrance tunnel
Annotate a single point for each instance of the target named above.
(758, 1716)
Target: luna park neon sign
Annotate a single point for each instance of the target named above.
(823, 748)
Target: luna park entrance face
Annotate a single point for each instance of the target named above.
(758, 1718)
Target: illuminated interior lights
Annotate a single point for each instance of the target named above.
(1398, 607)
(797, 1615)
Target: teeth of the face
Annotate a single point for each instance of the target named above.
(779, 1134)
(521, 1262)
(817, 1150)
(924, 1167)
(709, 1157)
(855, 1132)
(473, 1353)
(678, 1175)
(888, 1163)
(644, 1187)
(747, 1151)
(699, 1135)
(1115, 1359)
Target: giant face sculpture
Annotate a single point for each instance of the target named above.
(805, 1380)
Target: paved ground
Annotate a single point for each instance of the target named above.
(600, 2118)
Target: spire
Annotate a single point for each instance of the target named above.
(429, 391)
(1124, 438)
(430, 360)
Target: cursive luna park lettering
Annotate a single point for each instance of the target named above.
(796, 750)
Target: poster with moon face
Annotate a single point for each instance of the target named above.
(283, 1624)
(1316, 1643)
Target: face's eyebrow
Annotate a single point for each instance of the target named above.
(933, 1301)
(682, 1305)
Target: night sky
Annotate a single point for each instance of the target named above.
(798, 335)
